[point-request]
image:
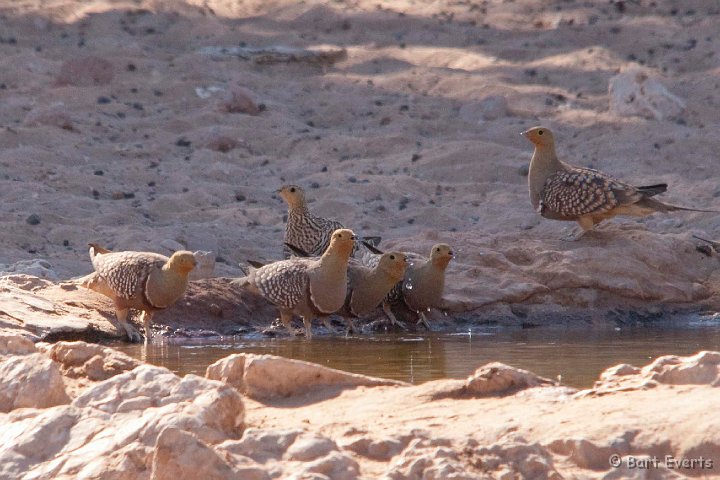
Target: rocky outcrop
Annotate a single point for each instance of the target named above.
(659, 274)
(143, 420)
(78, 410)
(491, 380)
(45, 310)
(636, 92)
(88, 360)
(30, 381)
(269, 376)
(702, 368)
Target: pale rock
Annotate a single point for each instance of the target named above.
(499, 379)
(634, 92)
(262, 445)
(522, 460)
(35, 268)
(30, 438)
(335, 466)
(419, 461)
(626, 472)
(89, 360)
(587, 454)
(211, 410)
(702, 368)
(619, 371)
(171, 245)
(310, 447)
(179, 454)
(11, 344)
(113, 428)
(30, 381)
(209, 91)
(205, 265)
(380, 450)
(267, 376)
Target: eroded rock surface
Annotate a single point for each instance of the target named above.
(268, 376)
(126, 420)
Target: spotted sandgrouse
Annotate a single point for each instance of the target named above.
(560, 191)
(310, 287)
(143, 281)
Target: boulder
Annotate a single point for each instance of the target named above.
(703, 368)
(30, 381)
(636, 92)
(89, 360)
(12, 344)
(268, 376)
(180, 454)
(141, 421)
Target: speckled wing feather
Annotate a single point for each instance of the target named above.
(126, 272)
(283, 283)
(370, 260)
(584, 191)
(309, 233)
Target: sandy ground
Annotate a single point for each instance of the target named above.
(123, 123)
(118, 126)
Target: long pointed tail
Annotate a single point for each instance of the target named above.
(659, 206)
(372, 248)
(652, 190)
(297, 251)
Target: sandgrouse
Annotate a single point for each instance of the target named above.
(423, 284)
(143, 281)
(305, 231)
(310, 287)
(560, 191)
(368, 287)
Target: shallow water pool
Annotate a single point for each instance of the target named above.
(576, 356)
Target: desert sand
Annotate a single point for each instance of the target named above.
(156, 125)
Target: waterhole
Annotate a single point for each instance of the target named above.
(576, 356)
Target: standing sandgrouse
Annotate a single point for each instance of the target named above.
(368, 287)
(560, 191)
(140, 280)
(310, 287)
(304, 231)
(423, 285)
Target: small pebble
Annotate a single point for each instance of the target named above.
(33, 219)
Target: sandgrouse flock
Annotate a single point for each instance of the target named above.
(330, 270)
